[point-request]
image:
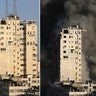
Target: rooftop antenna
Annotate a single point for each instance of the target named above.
(15, 11)
(6, 8)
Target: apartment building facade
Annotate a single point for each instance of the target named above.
(18, 47)
(71, 54)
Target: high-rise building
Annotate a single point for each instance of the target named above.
(71, 54)
(18, 47)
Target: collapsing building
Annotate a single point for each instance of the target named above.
(71, 54)
(72, 80)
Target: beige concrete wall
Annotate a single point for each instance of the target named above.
(70, 46)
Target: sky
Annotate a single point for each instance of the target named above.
(26, 9)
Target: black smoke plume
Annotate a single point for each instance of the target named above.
(56, 14)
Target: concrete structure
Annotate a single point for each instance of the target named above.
(16, 86)
(71, 54)
(18, 46)
(18, 50)
(72, 89)
(14, 90)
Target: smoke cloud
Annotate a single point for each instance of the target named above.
(56, 14)
(44, 2)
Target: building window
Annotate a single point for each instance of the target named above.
(65, 56)
(72, 50)
(2, 27)
(29, 79)
(33, 81)
(3, 49)
(75, 42)
(22, 54)
(17, 73)
(70, 36)
(34, 64)
(64, 36)
(33, 49)
(90, 90)
(27, 43)
(75, 32)
(33, 27)
(34, 22)
(30, 43)
(66, 31)
(1, 38)
(34, 70)
(23, 43)
(34, 55)
(79, 79)
(2, 43)
(1, 32)
(64, 41)
(71, 46)
(23, 64)
(64, 51)
(17, 57)
(34, 59)
(33, 43)
(21, 28)
(29, 84)
(11, 90)
(64, 46)
(17, 29)
(76, 47)
(17, 68)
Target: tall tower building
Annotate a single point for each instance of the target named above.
(71, 54)
(18, 46)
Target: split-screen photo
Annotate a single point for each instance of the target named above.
(47, 48)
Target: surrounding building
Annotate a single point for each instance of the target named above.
(18, 46)
(72, 89)
(71, 54)
(19, 54)
(13, 86)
